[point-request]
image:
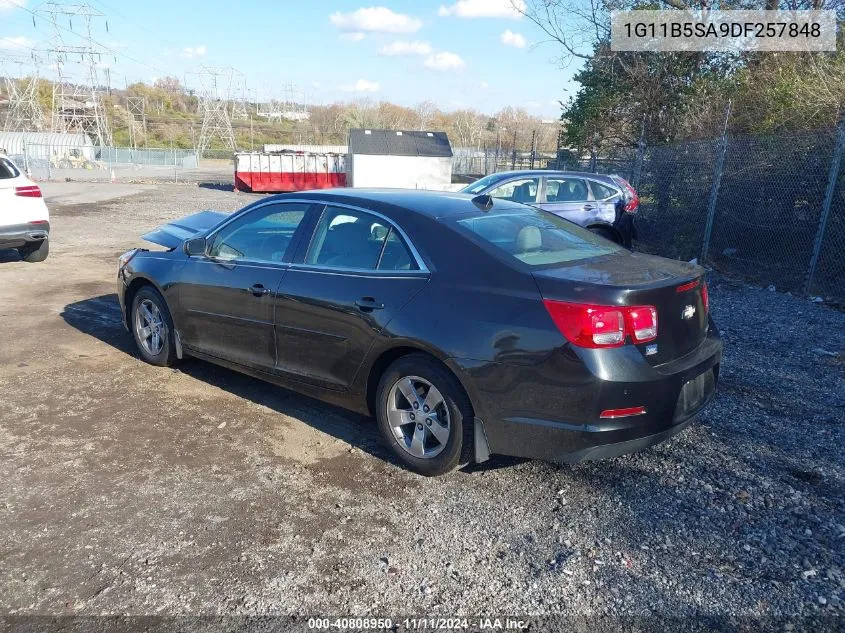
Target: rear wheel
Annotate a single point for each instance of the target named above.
(152, 328)
(424, 415)
(35, 251)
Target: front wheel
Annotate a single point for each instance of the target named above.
(35, 251)
(425, 415)
(152, 328)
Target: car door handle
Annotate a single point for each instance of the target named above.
(589, 207)
(368, 304)
(258, 290)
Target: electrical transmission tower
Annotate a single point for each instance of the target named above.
(214, 97)
(25, 113)
(137, 108)
(77, 102)
(239, 98)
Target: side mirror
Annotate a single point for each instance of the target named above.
(195, 246)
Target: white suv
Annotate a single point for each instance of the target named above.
(24, 218)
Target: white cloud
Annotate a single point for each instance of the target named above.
(354, 36)
(509, 38)
(444, 61)
(484, 9)
(6, 5)
(400, 48)
(16, 43)
(194, 51)
(375, 20)
(362, 85)
(484, 85)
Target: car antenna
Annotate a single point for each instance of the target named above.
(483, 202)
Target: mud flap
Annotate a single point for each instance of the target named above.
(482, 449)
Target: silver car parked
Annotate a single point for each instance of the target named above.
(604, 204)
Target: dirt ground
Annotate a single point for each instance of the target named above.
(132, 489)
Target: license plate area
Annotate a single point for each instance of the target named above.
(694, 394)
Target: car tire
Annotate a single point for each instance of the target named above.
(150, 316)
(605, 233)
(454, 407)
(35, 251)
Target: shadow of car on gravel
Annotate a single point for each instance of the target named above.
(101, 318)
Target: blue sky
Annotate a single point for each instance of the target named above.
(456, 53)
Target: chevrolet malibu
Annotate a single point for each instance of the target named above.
(467, 326)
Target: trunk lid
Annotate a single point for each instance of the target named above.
(174, 233)
(631, 279)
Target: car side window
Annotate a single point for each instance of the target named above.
(602, 192)
(566, 190)
(522, 190)
(7, 169)
(396, 255)
(263, 235)
(347, 238)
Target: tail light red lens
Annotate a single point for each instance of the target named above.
(643, 321)
(705, 298)
(633, 200)
(28, 191)
(596, 326)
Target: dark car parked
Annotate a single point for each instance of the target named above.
(604, 204)
(466, 326)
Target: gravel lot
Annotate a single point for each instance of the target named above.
(129, 489)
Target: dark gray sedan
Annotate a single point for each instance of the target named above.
(604, 204)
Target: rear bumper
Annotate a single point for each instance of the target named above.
(552, 411)
(17, 235)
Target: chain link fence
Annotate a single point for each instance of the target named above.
(120, 164)
(769, 209)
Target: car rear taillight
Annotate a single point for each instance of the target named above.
(643, 320)
(28, 191)
(595, 326)
(705, 297)
(632, 200)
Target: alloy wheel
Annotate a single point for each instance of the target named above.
(150, 327)
(418, 417)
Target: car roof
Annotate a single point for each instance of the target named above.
(551, 172)
(432, 204)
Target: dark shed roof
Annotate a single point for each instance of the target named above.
(399, 143)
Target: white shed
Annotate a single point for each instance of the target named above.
(399, 159)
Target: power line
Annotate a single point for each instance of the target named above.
(135, 24)
(102, 46)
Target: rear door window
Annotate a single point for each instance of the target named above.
(567, 190)
(357, 240)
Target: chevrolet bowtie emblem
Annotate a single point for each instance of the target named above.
(689, 312)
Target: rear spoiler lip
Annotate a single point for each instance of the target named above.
(173, 234)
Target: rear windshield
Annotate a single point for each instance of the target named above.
(536, 237)
(7, 169)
